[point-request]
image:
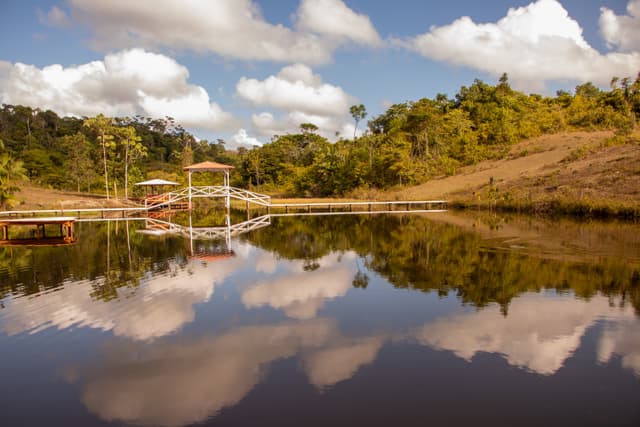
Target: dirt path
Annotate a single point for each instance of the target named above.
(32, 197)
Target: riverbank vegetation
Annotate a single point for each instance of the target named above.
(411, 144)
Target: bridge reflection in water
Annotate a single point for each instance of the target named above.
(154, 226)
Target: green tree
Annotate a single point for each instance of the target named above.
(132, 149)
(307, 128)
(103, 126)
(79, 166)
(358, 112)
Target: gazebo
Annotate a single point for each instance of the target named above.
(211, 167)
(154, 183)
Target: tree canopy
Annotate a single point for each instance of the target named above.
(410, 143)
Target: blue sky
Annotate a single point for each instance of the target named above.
(244, 70)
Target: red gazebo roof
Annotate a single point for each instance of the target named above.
(208, 166)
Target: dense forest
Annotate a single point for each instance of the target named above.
(408, 144)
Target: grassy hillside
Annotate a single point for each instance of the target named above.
(582, 173)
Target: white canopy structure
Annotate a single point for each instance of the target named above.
(156, 181)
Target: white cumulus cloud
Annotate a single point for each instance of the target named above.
(539, 334)
(301, 294)
(242, 138)
(332, 365)
(333, 18)
(623, 339)
(295, 87)
(303, 97)
(161, 307)
(56, 17)
(129, 82)
(230, 28)
(533, 44)
(172, 384)
(622, 31)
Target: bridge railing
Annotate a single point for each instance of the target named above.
(208, 233)
(208, 191)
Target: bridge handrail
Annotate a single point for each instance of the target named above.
(391, 202)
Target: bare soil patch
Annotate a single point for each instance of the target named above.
(31, 197)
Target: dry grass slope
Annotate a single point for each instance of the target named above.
(580, 173)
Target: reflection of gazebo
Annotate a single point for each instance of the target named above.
(210, 167)
(153, 184)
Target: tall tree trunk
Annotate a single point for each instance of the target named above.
(28, 131)
(104, 158)
(426, 143)
(126, 171)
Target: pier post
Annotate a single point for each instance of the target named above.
(189, 189)
(226, 186)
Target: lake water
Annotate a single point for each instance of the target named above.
(403, 319)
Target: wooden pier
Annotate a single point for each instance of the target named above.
(366, 206)
(182, 199)
(38, 235)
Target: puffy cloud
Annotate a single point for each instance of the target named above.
(329, 366)
(125, 83)
(329, 126)
(539, 334)
(230, 28)
(621, 338)
(169, 384)
(56, 17)
(300, 93)
(533, 44)
(301, 294)
(622, 31)
(242, 138)
(335, 19)
(160, 307)
(296, 88)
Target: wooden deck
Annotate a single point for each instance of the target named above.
(367, 206)
(181, 200)
(38, 235)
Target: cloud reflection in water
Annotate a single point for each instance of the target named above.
(172, 384)
(539, 334)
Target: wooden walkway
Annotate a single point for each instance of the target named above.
(367, 206)
(180, 199)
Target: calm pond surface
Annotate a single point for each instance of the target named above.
(401, 319)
